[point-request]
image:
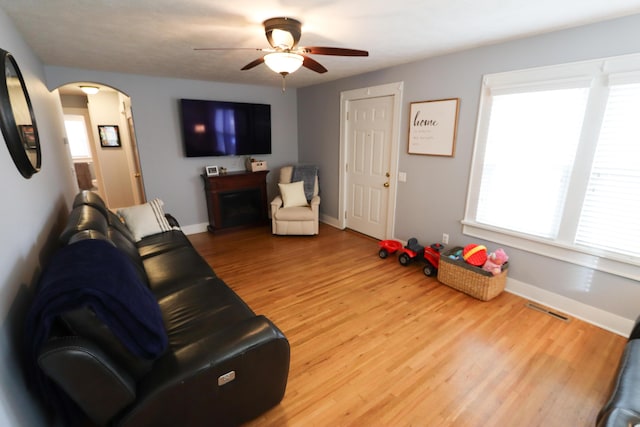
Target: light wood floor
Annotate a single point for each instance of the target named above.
(377, 344)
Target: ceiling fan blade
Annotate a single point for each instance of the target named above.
(231, 48)
(252, 64)
(313, 65)
(336, 51)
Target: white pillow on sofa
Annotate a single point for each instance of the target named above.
(293, 194)
(145, 220)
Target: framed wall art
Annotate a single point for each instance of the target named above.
(109, 136)
(432, 127)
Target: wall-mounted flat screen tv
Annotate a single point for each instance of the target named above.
(221, 128)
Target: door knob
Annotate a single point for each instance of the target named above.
(386, 184)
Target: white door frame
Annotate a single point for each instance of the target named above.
(390, 89)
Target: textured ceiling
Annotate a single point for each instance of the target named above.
(157, 37)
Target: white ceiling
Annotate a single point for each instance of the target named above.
(157, 37)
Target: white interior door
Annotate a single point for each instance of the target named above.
(369, 142)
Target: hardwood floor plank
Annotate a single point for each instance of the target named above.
(375, 343)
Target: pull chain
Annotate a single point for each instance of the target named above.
(284, 74)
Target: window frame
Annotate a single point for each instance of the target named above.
(598, 74)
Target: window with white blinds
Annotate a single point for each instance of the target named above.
(556, 165)
(610, 216)
(530, 148)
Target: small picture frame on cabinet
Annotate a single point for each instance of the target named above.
(211, 170)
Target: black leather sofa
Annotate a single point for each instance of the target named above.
(623, 406)
(223, 364)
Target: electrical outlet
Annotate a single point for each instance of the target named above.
(445, 238)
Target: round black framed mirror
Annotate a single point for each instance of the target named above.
(16, 118)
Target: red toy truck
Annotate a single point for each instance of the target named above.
(413, 251)
(430, 255)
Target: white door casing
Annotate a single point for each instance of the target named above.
(369, 155)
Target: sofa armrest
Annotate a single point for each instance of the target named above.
(623, 406)
(88, 376)
(173, 222)
(223, 379)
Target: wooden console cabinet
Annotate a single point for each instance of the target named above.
(236, 199)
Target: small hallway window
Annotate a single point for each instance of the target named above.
(77, 136)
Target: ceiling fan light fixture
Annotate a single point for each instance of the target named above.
(282, 38)
(283, 62)
(90, 90)
(283, 31)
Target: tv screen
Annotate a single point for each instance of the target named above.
(219, 128)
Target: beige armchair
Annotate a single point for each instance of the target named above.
(292, 213)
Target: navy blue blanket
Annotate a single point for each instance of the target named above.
(95, 274)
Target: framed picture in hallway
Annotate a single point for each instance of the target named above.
(432, 127)
(109, 136)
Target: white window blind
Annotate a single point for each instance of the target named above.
(530, 149)
(610, 218)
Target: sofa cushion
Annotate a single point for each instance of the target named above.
(197, 311)
(162, 242)
(117, 223)
(293, 194)
(92, 199)
(175, 269)
(130, 249)
(145, 219)
(83, 218)
(298, 213)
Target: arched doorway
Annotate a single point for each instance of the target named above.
(102, 143)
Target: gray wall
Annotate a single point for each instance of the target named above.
(432, 201)
(31, 216)
(167, 173)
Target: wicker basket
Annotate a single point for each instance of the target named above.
(471, 280)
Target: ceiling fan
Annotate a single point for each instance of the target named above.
(285, 56)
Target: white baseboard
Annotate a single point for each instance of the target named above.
(194, 228)
(329, 220)
(603, 319)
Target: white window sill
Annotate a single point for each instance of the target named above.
(609, 263)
